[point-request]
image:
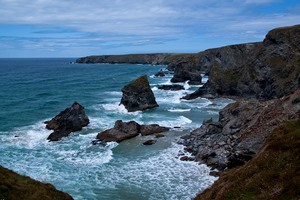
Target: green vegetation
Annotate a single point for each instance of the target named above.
(272, 174)
(15, 187)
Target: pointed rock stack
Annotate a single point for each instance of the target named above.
(137, 95)
(70, 120)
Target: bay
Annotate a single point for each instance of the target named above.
(35, 90)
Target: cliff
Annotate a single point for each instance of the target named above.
(14, 187)
(264, 70)
(268, 70)
(272, 174)
(241, 131)
(153, 59)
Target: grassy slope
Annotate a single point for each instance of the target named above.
(15, 187)
(272, 174)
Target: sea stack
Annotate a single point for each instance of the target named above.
(70, 120)
(137, 95)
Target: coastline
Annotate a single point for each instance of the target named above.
(266, 94)
(259, 70)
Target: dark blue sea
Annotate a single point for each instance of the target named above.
(35, 90)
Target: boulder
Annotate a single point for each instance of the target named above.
(160, 73)
(137, 95)
(171, 87)
(152, 129)
(70, 120)
(121, 131)
(159, 135)
(149, 142)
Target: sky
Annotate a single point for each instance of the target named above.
(76, 28)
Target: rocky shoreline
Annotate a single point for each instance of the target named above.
(241, 131)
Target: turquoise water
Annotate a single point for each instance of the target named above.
(35, 90)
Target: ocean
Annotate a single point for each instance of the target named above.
(35, 90)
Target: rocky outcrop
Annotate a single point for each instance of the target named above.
(137, 95)
(171, 87)
(271, 69)
(241, 130)
(70, 120)
(121, 131)
(272, 174)
(149, 142)
(14, 186)
(126, 130)
(186, 72)
(153, 59)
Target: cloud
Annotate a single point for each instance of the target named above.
(116, 23)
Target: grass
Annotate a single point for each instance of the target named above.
(272, 174)
(15, 187)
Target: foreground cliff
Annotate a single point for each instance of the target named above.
(14, 187)
(272, 174)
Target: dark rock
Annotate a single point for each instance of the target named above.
(239, 158)
(171, 87)
(215, 173)
(186, 72)
(241, 131)
(99, 142)
(264, 70)
(138, 95)
(149, 142)
(70, 120)
(159, 135)
(121, 131)
(160, 73)
(152, 128)
(184, 158)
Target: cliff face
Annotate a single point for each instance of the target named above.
(241, 130)
(265, 70)
(153, 59)
(14, 187)
(270, 69)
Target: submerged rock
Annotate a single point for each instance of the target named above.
(138, 95)
(149, 142)
(171, 87)
(70, 120)
(160, 74)
(152, 129)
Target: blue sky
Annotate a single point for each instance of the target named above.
(73, 28)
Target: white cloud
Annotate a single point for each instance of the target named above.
(135, 22)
